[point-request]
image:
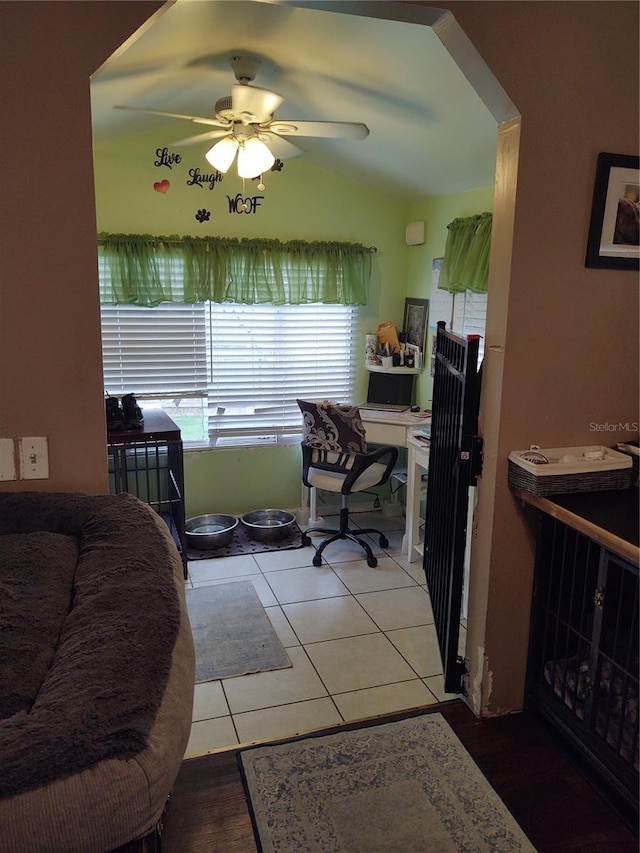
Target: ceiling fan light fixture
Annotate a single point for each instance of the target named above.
(254, 158)
(222, 154)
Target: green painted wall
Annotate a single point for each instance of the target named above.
(437, 212)
(299, 202)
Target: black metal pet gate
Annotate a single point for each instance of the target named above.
(455, 456)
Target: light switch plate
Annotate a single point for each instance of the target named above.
(34, 458)
(7, 459)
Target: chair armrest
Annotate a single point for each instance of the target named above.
(361, 461)
(365, 461)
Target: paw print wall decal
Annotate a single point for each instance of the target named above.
(203, 215)
(161, 186)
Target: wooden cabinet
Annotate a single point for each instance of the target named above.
(583, 656)
(148, 463)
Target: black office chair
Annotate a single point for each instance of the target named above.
(335, 458)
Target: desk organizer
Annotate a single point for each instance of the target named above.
(561, 470)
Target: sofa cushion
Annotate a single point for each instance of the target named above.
(36, 589)
(100, 696)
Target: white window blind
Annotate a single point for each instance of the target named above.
(470, 315)
(155, 352)
(247, 363)
(464, 313)
(264, 357)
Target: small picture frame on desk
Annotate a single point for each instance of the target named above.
(414, 355)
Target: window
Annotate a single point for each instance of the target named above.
(464, 313)
(469, 316)
(226, 373)
(263, 357)
(239, 329)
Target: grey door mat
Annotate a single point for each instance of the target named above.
(232, 633)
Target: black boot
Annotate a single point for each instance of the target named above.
(115, 418)
(132, 413)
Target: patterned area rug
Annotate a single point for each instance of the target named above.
(402, 787)
(232, 633)
(243, 544)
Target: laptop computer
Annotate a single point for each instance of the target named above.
(389, 392)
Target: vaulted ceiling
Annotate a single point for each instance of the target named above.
(430, 133)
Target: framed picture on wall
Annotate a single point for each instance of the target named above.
(613, 241)
(416, 319)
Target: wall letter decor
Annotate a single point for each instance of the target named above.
(244, 205)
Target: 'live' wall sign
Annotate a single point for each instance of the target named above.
(166, 158)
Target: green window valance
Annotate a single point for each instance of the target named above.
(465, 265)
(146, 270)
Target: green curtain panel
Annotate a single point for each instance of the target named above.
(465, 265)
(146, 270)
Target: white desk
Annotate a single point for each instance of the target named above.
(390, 427)
(417, 463)
(395, 428)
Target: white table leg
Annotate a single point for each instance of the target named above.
(410, 506)
(412, 509)
(313, 508)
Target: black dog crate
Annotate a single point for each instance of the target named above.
(583, 655)
(148, 463)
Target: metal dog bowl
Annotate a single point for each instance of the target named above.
(269, 525)
(206, 532)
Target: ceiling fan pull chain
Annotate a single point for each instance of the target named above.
(245, 203)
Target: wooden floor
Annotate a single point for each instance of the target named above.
(535, 777)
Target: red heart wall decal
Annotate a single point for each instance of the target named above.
(161, 186)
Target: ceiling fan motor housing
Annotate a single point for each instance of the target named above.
(224, 109)
(244, 67)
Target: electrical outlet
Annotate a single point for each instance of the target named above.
(34, 458)
(7, 459)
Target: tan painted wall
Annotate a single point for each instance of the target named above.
(569, 354)
(50, 359)
(571, 345)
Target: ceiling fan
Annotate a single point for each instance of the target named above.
(244, 124)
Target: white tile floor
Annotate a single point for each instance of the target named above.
(361, 640)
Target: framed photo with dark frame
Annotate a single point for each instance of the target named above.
(416, 319)
(613, 241)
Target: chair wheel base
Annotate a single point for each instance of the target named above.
(345, 532)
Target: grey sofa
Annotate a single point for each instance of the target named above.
(96, 671)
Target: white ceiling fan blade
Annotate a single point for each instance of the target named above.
(327, 129)
(257, 105)
(280, 148)
(201, 137)
(197, 119)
